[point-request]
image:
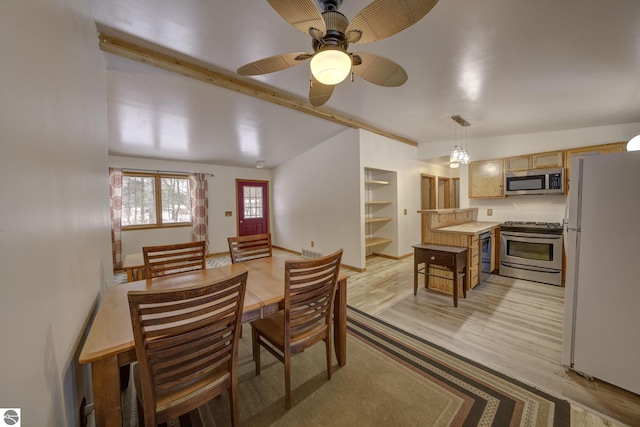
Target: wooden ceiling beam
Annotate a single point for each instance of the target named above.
(166, 62)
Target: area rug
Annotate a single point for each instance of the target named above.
(392, 378)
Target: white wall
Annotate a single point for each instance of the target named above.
(513, 145)
(379, 152)
(55, 255)
(316, 198)
(319, 195)
(525, 208)
(222, 197)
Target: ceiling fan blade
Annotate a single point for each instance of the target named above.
(319, 94)
(378, 70)
(302, 14)
(273, 63)
(384, 18)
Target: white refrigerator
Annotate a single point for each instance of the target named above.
(602, 296)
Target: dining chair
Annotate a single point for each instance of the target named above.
(245, 248)
(186, 343)
(171, 259)
(310, 287)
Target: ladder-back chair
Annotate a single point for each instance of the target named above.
(310, 287)
(171, 259)
(186, 343)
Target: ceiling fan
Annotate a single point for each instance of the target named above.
(331, 35)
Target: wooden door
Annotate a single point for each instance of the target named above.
(428, 192)
(253, 207)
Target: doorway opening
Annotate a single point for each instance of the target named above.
(444, 193)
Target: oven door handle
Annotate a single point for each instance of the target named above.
(531, 268)
(530, 235)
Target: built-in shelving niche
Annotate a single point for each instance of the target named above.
(380, 210)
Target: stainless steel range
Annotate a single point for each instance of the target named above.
(531, 251)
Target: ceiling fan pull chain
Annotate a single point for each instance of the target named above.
(352, 77)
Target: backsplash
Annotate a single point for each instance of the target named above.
(521, 208)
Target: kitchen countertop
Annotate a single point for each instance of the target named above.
(473, 227)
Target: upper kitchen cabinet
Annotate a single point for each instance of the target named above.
(551, 159)
(486, 178)
(603, 148)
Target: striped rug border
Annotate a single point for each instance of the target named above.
(490, 397)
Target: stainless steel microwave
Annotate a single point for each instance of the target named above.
(535, 181)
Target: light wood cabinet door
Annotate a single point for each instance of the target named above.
(517, 163)
(552, 159)
(603, 148)
(486, 179)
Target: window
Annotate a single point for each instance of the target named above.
(252, 202)
(154, 200)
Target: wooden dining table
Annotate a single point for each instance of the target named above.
(109, 344)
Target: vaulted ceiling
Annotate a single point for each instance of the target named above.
(507, 67)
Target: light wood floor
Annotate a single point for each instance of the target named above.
(512, 326)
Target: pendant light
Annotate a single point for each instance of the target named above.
(458, 154)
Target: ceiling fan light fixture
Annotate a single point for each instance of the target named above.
(330, 66)
(634, 143)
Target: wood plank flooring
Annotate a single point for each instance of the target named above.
(510, 325)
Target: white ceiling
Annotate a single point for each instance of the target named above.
(508, 67)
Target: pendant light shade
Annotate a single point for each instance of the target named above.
(634, 143)
(330, 66)
(458, 154)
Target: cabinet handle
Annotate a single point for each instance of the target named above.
(432, 258)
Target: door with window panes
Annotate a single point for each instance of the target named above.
(253, 207)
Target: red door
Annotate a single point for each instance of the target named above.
(253, 207)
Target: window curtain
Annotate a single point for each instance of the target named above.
(115, 207)
(200, 208)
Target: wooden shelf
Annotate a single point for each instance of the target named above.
(377, 202)
(378, 219)
(374, 241)
(379, 212)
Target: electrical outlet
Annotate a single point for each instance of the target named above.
(489, 212)
(405, 211)
(312, 244)
(228, 213)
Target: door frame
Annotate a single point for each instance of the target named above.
(266, 200)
